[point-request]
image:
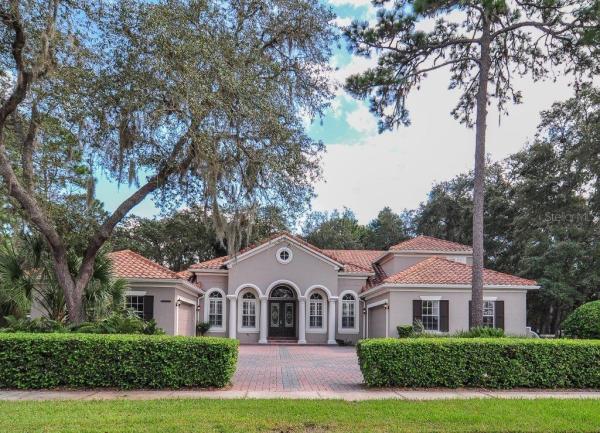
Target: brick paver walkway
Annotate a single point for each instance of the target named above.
(297, 368)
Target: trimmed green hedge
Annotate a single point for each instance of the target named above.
(480, 362)
(584, 322)
(29, 361)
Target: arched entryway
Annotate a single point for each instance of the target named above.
(283, 313)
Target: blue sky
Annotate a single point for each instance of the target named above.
(366, 171)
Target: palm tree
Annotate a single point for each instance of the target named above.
(27, 277)
(16, 284)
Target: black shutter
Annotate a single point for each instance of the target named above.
(148, 307)
(499, 310)
(417, 310)
(444, 316)
(470, 311)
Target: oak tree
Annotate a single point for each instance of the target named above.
(192, 102)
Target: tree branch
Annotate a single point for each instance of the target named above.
(13, 21)
(27, 151)
(441, 65)
(106, 229)
(538, 25)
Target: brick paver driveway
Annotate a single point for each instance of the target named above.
(297, 368)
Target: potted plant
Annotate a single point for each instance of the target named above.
(202, 328)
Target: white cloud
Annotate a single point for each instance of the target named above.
(398, 168)
(342, 22)
(337, 105)
(340, 73)
(362, 120)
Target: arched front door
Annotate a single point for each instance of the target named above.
(282, 312)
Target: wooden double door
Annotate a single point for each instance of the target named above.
(282, 318)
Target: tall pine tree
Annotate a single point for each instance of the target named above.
(484, 44)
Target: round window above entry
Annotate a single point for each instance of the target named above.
(284, 255)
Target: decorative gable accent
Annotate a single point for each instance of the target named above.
(285, 237)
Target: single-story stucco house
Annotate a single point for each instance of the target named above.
(287, 289)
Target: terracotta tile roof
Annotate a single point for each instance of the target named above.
(216, 263)
(358, 261)
(427, 243)
(185, 275)
(438, 270)
(127, 264)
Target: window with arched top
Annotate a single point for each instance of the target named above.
(348, 311)
(315, 311)
(215, 309)
(282, 292)
(249, 310)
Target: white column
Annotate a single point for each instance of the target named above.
(331, 326)
(232, 315)
(302, 320)
(263, 320)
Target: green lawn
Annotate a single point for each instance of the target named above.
(289, 416)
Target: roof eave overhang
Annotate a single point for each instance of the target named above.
(165, 282)
(441, 252)
(356, 274)
(422, 253)
(382, 287)
(209, 271)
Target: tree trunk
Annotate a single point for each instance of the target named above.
(479, 184)
(73, 297)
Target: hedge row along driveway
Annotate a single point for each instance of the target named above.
(31, 361)
(487, 363)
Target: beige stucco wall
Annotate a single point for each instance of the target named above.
(400, 312)
(262, 269)
(396, 263)
(207, 281)
(376, 319)
(164, 306)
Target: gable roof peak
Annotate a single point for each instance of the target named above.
(246, 252)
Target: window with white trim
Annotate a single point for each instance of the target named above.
(489, 313)
(284, 255)
(315, 316)
(430, 315)
(248, 310)
(136, 304)
(348, 311)
(215, 309)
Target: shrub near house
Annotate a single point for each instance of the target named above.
(480, 362)
(30, 361)
(584, 322)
